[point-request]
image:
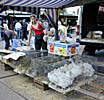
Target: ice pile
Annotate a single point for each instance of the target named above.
(65, 76)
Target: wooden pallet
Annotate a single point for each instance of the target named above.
(44, 86)
(6, 51)
(97, 96)
(72, 87)
(95, 85)
(91, 94)
(7, 62)
(6, 67)
(41, 84)
(37, 82)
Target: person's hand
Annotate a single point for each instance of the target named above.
(45, 38)
(45, 32)
(28, 46)
(15, 33)
(28, 43)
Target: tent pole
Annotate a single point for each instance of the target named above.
(0, 31)
(56, 33)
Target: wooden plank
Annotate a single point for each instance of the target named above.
(72, 87)
(101, 74)
(8, 76)
(91, 94)
(5, 61)
(43, 87)
(29, 75)
(96, 85)
(40, 84)
(5, 51)
(4, 74)
(6, 67)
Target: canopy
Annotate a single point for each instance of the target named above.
(34, 10)
(36, 3)
(32, 6)
(46, 3)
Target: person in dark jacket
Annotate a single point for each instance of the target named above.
(24, 30)
(8, 35)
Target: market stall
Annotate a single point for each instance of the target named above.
(62, 74)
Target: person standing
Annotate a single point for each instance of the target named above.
(6, 26)
(29, 25)
(18, 27)
(24, 30)
(33, 35)
(8, 35)
(37, 28)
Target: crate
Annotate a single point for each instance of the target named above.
(40, 84)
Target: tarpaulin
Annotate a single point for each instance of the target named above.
(36, 3)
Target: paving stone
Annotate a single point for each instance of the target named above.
(6, 73)
(8, 94)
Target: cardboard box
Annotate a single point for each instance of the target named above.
(97, 35)
(63, 48)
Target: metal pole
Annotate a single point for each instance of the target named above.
(0, 30)
(56, 35)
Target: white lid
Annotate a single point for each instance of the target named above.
(99, 32)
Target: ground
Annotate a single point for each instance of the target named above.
(20, 87)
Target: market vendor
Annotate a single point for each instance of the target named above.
(37, 28)
(8, 35)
